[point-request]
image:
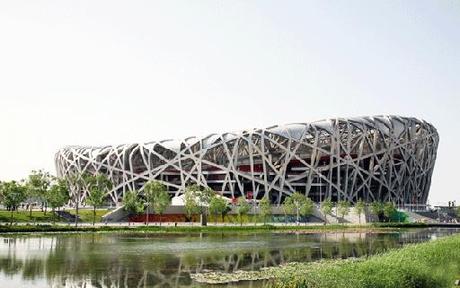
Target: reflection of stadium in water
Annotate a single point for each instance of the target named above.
(120, 260)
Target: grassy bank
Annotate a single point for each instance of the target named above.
(86, 215)
(432, 264)
(167, 229)
(199, 229)
(23, 216)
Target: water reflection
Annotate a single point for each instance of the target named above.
(130, 260)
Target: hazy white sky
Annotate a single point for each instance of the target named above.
(111, 72)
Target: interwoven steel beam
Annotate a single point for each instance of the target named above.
(384, 158)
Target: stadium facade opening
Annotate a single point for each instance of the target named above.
(379, 158)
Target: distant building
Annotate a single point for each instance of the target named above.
(384, 158)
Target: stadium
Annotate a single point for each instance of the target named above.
(378, 158)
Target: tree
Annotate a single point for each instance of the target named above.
(190, 203)
(360, 206)
(161, 201)
(343, 208)
(242, 208)
(265, 209)
(218, 206)
(150, 190)
(14, 193)
(298, 202)
(132, 203)
(288, 208)
(38, 184)
(458, 211)
(98, 187)
(202, 197)
(57, 196)
(1, 192)
(307, 208)
(326, 208)
(376, 209)
(77, 185)
(389, 210)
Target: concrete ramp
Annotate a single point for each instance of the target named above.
(117, 215)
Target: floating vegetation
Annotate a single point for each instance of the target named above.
(266, 273)
(223, 277)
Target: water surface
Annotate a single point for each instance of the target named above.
(166, 260)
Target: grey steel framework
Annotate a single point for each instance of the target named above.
(384, 158)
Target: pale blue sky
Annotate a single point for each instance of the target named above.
(108, 72)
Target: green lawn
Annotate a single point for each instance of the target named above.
(86, 215)
(24, 216)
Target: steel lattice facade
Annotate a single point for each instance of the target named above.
(380, 158)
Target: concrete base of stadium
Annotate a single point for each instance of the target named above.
(177, 214)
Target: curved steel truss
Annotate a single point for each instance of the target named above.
(386, 158)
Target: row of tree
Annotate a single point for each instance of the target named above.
(48, 191)
(45, 190)
(203, 201)
(40, 188)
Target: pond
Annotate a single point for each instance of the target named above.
(167, 260)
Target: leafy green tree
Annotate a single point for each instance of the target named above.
(389, 210)
(77, 185)
(14, 193)
(57, 196)
(298, 202)
(190, 203)
(132, 203)
(307, 208)
(1, 192)
(376, 209)
(265, 208)
(218, 206)
(202, 199)
(360, 206)
(242, 208)
(161, 201)
(98, 187)
(152, 188)
(458, 211)
(288, 208)
(38, 184)
(326, 208)
(343, 208)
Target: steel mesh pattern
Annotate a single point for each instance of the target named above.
(384, 158)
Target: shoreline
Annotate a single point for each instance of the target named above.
(184, 229)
